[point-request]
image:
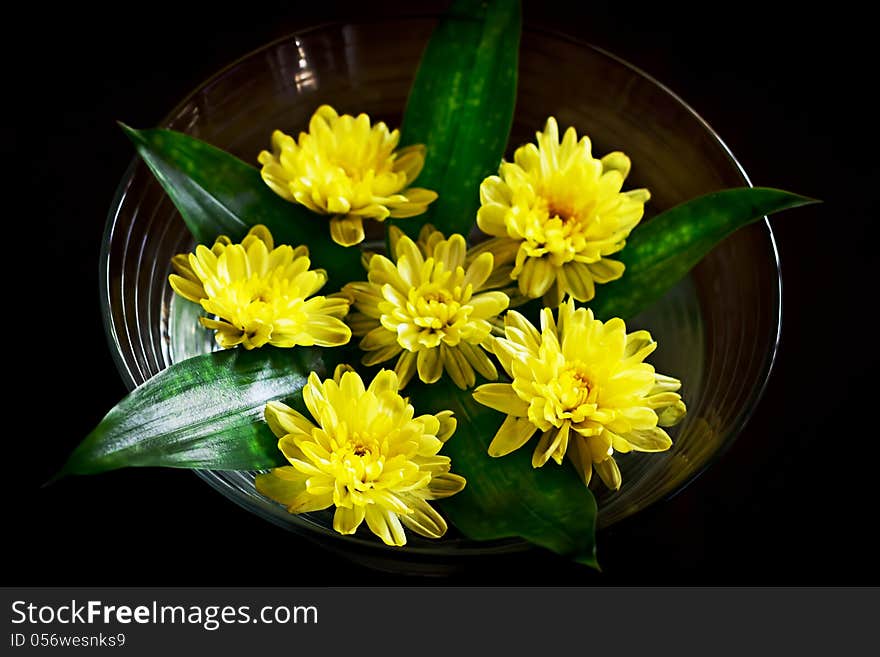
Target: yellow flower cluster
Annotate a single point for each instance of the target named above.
(427, 309)
(260, 293)
(556, 213)
(554, 216)
(347, 168)
(366, 454)
(585, 386)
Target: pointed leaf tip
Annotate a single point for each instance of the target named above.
(130, 132)
(660, 252)
(58, 476)
(205, 412)
(461, 108)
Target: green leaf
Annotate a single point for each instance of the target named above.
(661, 251)
(461, 107)
(218, 194)
(204, 412)
(506, 497)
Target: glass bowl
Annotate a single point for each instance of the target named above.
(718, 329)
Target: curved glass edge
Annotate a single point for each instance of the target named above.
(110, 329)
(478, 548)
(739, 422)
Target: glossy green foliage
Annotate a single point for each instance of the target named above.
(204, 412)
(506, 497)
(660, 252)
(218, 194)
(461, 107)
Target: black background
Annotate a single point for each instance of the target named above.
(789, 90)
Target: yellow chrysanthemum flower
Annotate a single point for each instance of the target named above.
(427, 309)
(564, 213)
(347, 168)
(260, 293)
(367, 455)
(584, 385)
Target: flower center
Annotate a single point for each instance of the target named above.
(564, 211)
(360, 445)
(437, 310)
(432, 307)
(557, 230)
(438, 296)
(362, 162)
(574, 387)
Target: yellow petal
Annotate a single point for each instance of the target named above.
(491, 218)
(189, 290)
(430, 365)
(606, 270)
(386, 525)
(410, 161)
(390, 501)
(257, 254)
(327, 331)
(556, 439)
(478, 271)
(671, 415)
(456, 365)
(406, 248)
(411, 272)
(502, 398)
(488, 304)
(233, 264)
(340, 370)
(385, 381)
(417, 202)
(347, 520)
(262, 233)
(347, 230)
(180, 264)
(513, 434)
(636, 342)
(274, 176)
(639, 417)
(530, 337)
(600, 446)
(451, 252)
(609, 472)
(445, 484)
(479, 360)
(494, 190)
(284, 420)
(384, 272)
(351, 386)
(447, 425)
(360, 324)
(579, 281)
(281, 484)
(616, 161)
(536, 277)
(405, 368)
(424, 520)
(638, 195)
(649, 440)
(579, 454)
(663, 383)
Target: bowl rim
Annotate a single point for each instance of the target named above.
(498, 546)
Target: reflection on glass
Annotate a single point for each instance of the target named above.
(291, 67)
(305, 77)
